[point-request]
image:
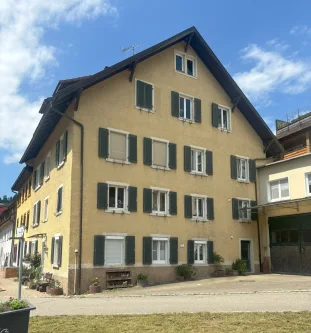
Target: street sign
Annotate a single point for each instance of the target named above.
(20, 232)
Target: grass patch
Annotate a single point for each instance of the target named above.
(179, 322)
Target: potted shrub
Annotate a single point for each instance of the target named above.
(218, 261)
(229, 272)
(95, 287)
(239, 267)
(54, 288)
(142, 280)
(185, 272)
(14, 315)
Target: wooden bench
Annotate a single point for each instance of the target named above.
(41, 285)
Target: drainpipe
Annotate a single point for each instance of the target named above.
(81, 191)
(258, 229)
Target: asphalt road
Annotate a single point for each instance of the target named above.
(259, 302)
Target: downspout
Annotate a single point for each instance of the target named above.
(258, 230)
(81, 191)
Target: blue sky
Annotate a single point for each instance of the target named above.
(265, 46)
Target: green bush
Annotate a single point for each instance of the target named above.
(217, 259)
(239, 265)
(142, 277)
(186, 270)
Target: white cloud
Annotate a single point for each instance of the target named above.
(272, 72)
(300, 30)
(277, 45)
(24, 57)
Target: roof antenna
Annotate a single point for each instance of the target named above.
(132, 47)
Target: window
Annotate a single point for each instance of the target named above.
(56, 252)
(61, 149)
(185, 64)
(199, 208)
(144, 95)
(36, 214)
(46, 209)
(242, 169)
(118, 145)
(29, 188)
(160, 201)
(160, 153)
(244, 212)
(59, 207)
(308, 183)
(114, 250)
(48, 166)
(186, 107)
(224, 118)
(116, 197)
(279, 190)
(159, 251)
(197, 160)
(200, 252)
(284, 236)
(36, 178)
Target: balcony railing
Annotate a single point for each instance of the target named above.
(294, 153)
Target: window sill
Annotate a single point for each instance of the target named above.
(60, 165)
(190, 121)
(224, 129)
(245, 181)
(55, 266)
(35, 225)
(200, 263)
(143, 109)
(111, 160)
(117, 211)
(160, 263)
(160, 214)
(44, 221)
(279, 200)
(185, 74)
(198, 219)
(58, 213)
(198, 174)
(47, 178)
(160, 168)
(245, 220)
(37, 188)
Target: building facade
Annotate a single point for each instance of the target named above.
(145, 166)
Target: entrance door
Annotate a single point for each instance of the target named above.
(246, 253)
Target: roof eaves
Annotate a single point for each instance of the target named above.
(22, 177)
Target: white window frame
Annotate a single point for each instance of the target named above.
(167, 154)
(203, 151)
(196, 217)
(46, 209)
(55, 257)
(240, 179)
(166, 260)
(280, 198)
(47, 168)
(57, 193)
(138, 107)
(122, 238)
(204, 243)
(191, 98)
(118, 210)
(126, 143)
(308, 193)
(229, 110)
(249, 216)
(35, 212)
(33, 243)
(61, 155)
(37, 178)
(167, 201)
(185, 57)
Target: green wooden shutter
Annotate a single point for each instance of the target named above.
(132, 148)
(99, 250)
(173, 203)
(60, 251)
(132, 201)
(52, 250)
(147, 151)
(209, 162)
(190, 252)
(188, 206)
(175, 104)
(140, 93)
(147, 250)
(233, 167)
(103, 142)
(173, 250)
(172, 155)
(102, 195)
(215, 115)
(254, 211)
(57, 161)
(41, 172)
(197, 110)
(252, 170)
(210, 208)
(39, 211)
(187, 158)
(147, 200)
(65, 145)
(148, 96)
(210, 252)
(130, 250)
(235, 208)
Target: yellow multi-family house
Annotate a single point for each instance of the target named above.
(145, 165)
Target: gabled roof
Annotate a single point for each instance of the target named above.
(63, 97)
(22, 178)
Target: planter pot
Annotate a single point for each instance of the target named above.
(94, 289)
(15, 321)
(55, 291)
(180, 278)
(142, 283)
(235, 273)
(229, 273)
(221, 273)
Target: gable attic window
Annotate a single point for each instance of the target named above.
(221, 117)
(144, 96)
(185, 64)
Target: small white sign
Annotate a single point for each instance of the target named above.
(182, 245)
(20, 232)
